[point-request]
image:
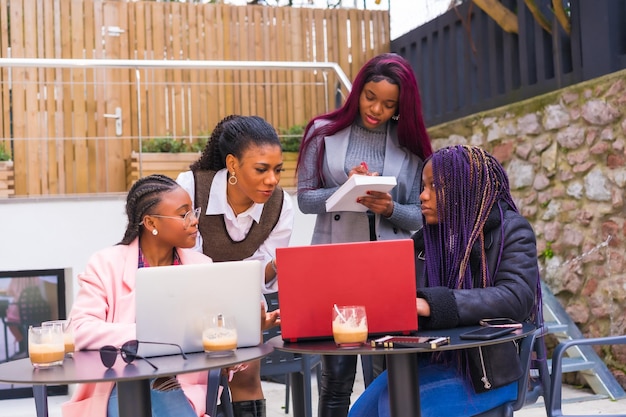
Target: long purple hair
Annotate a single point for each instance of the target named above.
(468, 183)
(395, 69)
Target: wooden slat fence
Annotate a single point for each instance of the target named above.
(54, 120)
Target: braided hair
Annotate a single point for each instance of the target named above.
(234, 135)
(145, 194)
(469, 183)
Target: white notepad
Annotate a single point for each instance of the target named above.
(344, 199)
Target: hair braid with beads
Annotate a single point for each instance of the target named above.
(468, 183)
(146, 193)
(234, 135)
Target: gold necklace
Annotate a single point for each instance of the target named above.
(232, 206)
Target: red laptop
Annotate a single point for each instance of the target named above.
(379, 275)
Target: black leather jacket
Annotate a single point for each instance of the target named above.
(514, 283)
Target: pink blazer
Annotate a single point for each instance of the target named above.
(104, 314)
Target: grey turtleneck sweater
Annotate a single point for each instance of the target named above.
(364, 145)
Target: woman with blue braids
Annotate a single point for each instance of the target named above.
(476, 258)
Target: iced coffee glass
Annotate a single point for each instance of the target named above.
(68, 334)
(219, 337)
(349, 326)
(46, 346)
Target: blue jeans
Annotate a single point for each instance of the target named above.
(443, 392)
(172, 403)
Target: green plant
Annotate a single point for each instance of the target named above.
(164, 144)
(291, 137)
(169, 144)
(4, 155)
(547, 253)
(199, 143)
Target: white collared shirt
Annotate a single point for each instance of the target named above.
(239, 226)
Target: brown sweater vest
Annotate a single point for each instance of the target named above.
(216, 242)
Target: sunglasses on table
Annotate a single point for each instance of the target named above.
(128, 352)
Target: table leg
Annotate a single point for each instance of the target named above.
(40, 394)
(134, 398)
(404, 397)
(6, 341)
(296, 381)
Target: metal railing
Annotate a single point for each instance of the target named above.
(465, 63)
(56, 112)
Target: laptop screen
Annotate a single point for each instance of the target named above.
(379, 275)
(173, 301)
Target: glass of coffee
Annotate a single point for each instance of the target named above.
(219, 337)
(68, 334)
(349, 326)
(46, 346)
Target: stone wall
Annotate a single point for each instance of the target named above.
(565, 156)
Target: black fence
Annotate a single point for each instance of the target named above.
(465, 63)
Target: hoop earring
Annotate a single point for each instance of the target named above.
(395, 117)
(232, 180)
(155, 232)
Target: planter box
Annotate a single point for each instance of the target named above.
(170, 164)
(288, 178)
(7, 179)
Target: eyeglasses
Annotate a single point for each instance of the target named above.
(128, 351)
(187, 219)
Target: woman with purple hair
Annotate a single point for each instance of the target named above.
(379, 130)
(476, 258)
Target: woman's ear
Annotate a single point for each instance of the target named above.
(231, 162)
(148, 222)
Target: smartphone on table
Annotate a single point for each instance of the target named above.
(501, 322)
(486, 333)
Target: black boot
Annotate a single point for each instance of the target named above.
(338, 374)
(251, 408)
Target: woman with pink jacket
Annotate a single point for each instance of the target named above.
(161, 223)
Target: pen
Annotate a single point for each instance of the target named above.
(439, 342)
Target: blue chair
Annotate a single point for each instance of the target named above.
(4, 305)
(554, 403)
(215, 381)
(33, 309)
(535, 381)
(295, 367)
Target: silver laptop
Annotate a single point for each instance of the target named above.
(172, 302)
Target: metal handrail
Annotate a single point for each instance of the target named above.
(175, 64)
(139, 64)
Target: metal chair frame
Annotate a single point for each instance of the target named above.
(553, 406)
(535, 381)
(297, 367)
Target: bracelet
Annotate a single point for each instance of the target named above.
(273, 265)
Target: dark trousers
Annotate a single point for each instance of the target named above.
(338, 373)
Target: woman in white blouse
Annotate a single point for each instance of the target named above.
(245, 215)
